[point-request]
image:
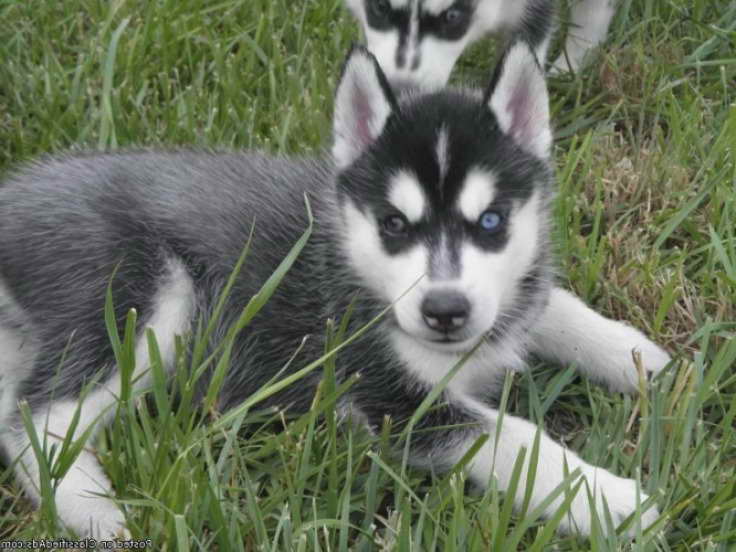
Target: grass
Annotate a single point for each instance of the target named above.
(646, 227)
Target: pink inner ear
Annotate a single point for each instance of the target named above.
(363, 115)
(519, 109)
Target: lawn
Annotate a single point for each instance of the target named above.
(646, 232)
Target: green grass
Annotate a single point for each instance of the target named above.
(646, 227)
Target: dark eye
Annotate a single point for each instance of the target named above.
(379, 8)
(491, 221)
(453, 17)
(395, 225)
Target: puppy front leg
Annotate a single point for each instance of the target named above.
(450, 428)
(570, 332)
(617, 493)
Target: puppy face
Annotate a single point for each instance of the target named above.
(417, 42)
(442, 199)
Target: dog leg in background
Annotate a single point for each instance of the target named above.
(570, 332)
(589, 22)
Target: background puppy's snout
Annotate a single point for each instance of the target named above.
(445, 311)
(403, 85)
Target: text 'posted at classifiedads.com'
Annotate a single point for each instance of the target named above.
(81, 544)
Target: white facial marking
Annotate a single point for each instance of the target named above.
(388, 276)
(499, 273)
(412, 40)
(442, 152)
(437, 57)
(407, 196)
(441, 265)
(478, 192)
(487, 279)
(496, 15)
(436, 7)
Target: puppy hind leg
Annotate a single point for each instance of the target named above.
(76, 504)
(53, 421)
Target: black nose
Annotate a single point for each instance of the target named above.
(445, 311)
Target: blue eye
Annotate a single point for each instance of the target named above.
(490, 221)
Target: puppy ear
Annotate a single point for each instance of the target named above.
(518, 98)
(363, 104)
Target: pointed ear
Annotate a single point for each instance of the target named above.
(363, 103)
(518, 98)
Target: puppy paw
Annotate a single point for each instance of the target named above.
(111, 524)
(620, 358)
(96, 517)
(653, 358)
(609, 491)
(613, 360)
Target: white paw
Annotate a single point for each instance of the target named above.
(618, 362)
(96, 517)
(653, 357)
(620, 498)
(611, 359)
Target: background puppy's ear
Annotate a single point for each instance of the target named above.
(518, 98)
(363, 103)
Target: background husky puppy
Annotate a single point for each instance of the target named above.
(418, 41)
(451, 190)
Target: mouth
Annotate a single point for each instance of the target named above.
(446, 339)
(451, 344)
(459, 342)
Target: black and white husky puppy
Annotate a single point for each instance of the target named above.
(418, 41)
(437, 202)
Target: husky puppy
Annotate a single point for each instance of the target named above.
(437, 204)
(418, 41)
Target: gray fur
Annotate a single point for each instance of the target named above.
(171, 226)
